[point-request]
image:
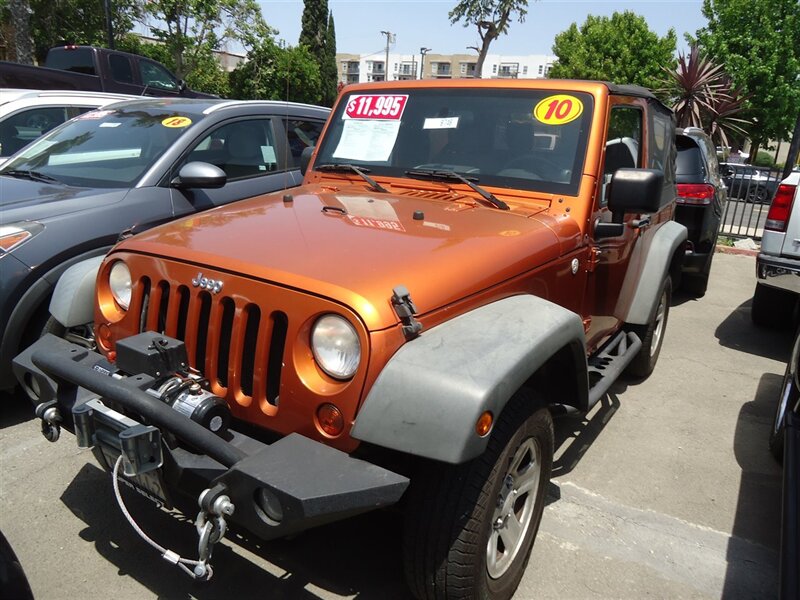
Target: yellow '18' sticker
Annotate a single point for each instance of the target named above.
(176, 122)
(558, 109)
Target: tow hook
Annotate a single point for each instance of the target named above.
(211, 526)
(51, 420)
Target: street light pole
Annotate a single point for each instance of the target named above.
(422, 51)
(388, 35)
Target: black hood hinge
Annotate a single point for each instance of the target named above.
(405, 310)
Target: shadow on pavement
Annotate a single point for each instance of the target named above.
(15, 408)
(359, 558)
(738, 332)
(752, 556)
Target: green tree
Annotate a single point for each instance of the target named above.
(621, 49)
(273, 73)
(758, 41)
(329, 71)
(491, 17)
(193, 28)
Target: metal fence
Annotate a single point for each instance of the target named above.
(750, 193)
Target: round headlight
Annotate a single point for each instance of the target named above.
(335, 345)
(119, 282)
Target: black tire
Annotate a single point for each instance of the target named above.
(652, 335)
(772, 308)
(757, 195)
(453, 509)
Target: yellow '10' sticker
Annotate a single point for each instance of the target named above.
(176, 122)
(558, 109)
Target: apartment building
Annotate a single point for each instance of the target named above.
(355, 68)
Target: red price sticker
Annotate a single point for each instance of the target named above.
(373, 106)
(558, 109)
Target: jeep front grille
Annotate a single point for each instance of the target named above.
(233, 342)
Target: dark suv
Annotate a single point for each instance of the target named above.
(701, 200)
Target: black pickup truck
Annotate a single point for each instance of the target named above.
(96, 69)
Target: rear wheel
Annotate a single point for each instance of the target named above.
(772, 307)
(757, 194)
(469, 528)
(652, 334)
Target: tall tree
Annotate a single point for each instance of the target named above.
(20, 13)
(79, 22)
(491, 17)
(328, 70)
(314, 26)
(621, 49)
(758, 41)
(195, 27)
(278, 74)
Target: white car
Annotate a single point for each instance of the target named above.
(27, 114)
(777, 295)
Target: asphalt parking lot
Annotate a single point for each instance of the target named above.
(666, 490)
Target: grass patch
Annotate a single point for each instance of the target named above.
(724, 240)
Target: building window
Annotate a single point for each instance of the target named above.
(525, 70)
(540, 69)
(494, 69)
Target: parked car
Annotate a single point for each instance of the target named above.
(784, 442)
(14, 583)
(27, 114)
(69, 195)
(399, 326)
(90, 68)
(749, 183)
(701, 200)
(775, 300)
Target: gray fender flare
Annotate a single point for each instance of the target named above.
(72, 303)
(428, 397)
(646, 281)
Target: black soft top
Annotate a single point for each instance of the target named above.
(634, 90)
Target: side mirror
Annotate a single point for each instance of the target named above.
(635, 191)
(630, 191)
(199, 175)
(305, 158)
(181, 86)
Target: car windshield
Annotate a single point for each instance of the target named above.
(107, 148)
(511, 138)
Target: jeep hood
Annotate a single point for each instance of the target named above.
(354, 246)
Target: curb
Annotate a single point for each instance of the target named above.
(734, 250)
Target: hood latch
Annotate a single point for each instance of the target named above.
(405, 310)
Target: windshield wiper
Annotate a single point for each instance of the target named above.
(360, 171)
(32, 175)
(450, 175)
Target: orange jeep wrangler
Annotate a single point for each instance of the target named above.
(463, 256)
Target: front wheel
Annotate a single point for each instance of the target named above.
(470, 528)
(652, 335)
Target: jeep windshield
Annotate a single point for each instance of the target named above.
(107, 148)
(509, 138)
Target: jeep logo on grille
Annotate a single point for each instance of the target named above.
(213, 285)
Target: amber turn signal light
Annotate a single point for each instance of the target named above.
(484, 424)
(330, 419)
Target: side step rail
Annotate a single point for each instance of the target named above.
(606, 366)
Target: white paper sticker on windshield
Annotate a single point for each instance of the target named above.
(370, 140)
(445, 123)
(110, 124)
(268, 154)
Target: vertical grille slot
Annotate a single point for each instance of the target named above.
(225, 333)
(163, 306)
(253, 314)
(202, 332)
(280, 325)
(183, 312)
(145, 283)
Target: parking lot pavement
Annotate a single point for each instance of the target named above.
(667, 490)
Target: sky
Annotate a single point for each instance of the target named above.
(425, 23)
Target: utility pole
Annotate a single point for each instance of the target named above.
(422, 51)
(389, 39)
(109, 26)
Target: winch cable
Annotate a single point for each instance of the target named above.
(166, 553)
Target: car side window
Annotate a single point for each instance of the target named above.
(155, 75)
(25, 126)
(121, 69)
(301, 134)
(242, 149)
(623, 143)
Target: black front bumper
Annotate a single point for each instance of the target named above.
(307, 483)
